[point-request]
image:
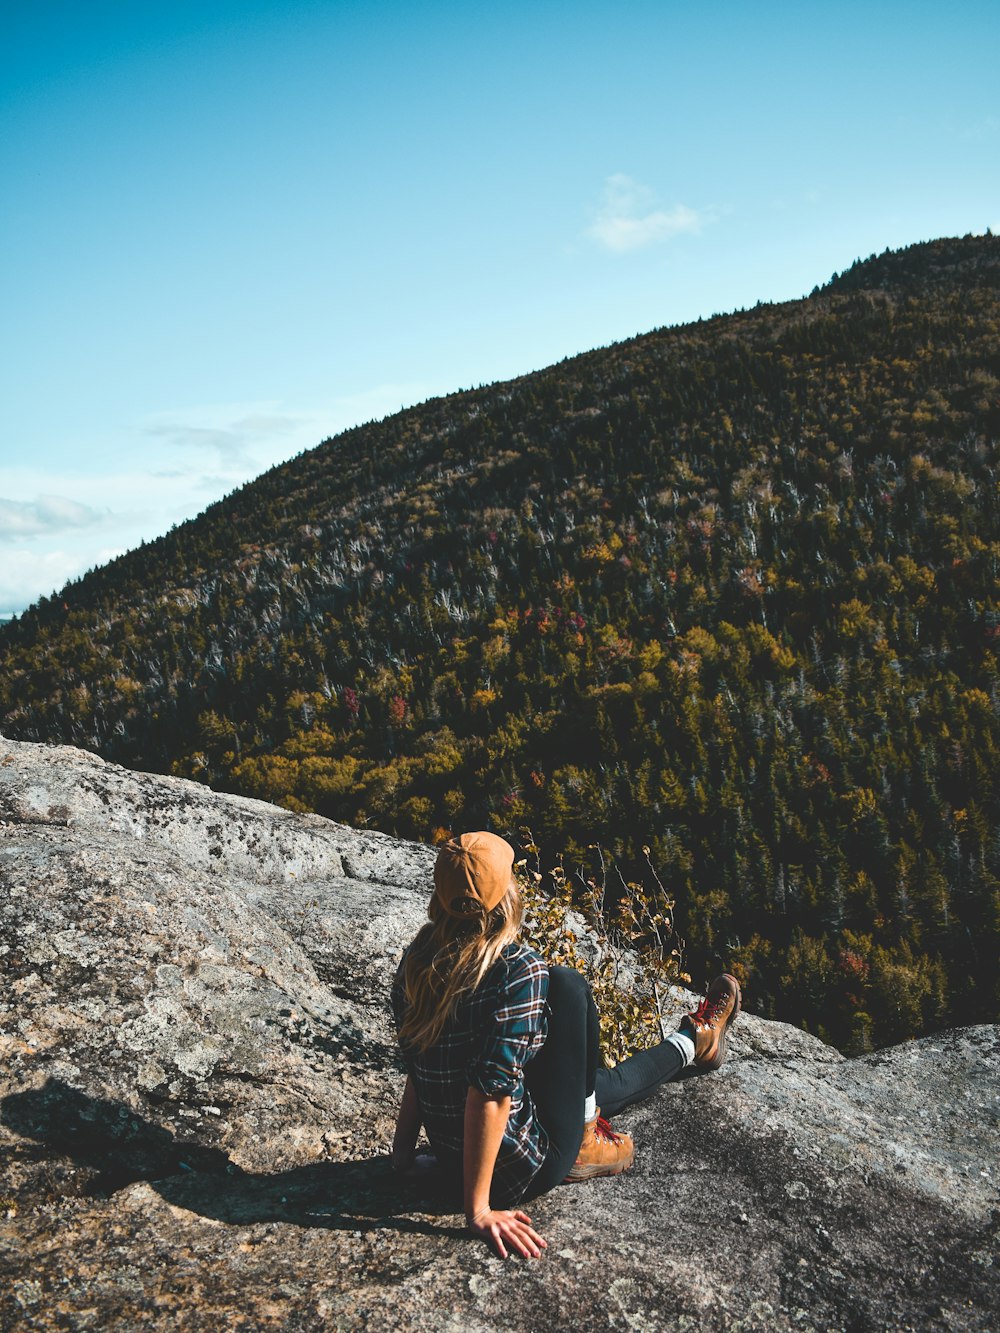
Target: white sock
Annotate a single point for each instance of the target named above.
(684, 1045)
(590, 1105)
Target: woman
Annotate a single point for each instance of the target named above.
(502, 1051)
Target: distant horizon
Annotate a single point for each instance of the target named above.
(235, 230)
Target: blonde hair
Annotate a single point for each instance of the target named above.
(448, 959)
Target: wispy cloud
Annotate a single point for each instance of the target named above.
(234, 440)
(48, 514)
(987, 128)
(246, 437)
(627, 219)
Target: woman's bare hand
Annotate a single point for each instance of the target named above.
(499, 1225)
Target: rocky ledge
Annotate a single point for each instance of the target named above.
(198, 1084)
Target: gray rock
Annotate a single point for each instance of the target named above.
(198, 1087)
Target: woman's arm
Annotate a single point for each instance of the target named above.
(485, 1122)
(407, 1128)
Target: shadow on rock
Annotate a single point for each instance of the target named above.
(116, 1147)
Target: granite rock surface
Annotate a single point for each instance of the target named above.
(198, 1086)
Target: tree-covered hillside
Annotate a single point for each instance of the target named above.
(729, 590)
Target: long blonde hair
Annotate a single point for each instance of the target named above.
(448, 959)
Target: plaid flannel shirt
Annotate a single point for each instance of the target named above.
(493, 1034)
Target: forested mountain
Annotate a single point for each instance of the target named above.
(728, 590)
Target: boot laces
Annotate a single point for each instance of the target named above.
(708, 1013)
(603, 1130)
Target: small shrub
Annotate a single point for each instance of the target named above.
(628, 951)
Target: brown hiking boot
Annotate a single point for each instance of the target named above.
(602, 1152)
(711, 1021)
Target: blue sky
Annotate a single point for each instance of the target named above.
(230, 230)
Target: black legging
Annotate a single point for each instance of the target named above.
(567, 1069)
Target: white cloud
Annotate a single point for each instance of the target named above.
(27, 575)
(627, 220)
(46, 514)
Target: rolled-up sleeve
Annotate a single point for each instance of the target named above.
(514, 1030)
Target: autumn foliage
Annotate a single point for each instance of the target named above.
(729, 591)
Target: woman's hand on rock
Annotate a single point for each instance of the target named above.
(402, 1160)
(421, 1166)
(508, 1228)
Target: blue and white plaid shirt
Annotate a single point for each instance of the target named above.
(493, 1034)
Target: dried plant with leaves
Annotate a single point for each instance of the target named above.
(621, 937)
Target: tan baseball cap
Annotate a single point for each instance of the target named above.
(472, 872)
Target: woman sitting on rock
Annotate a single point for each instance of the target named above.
(502, 1052)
